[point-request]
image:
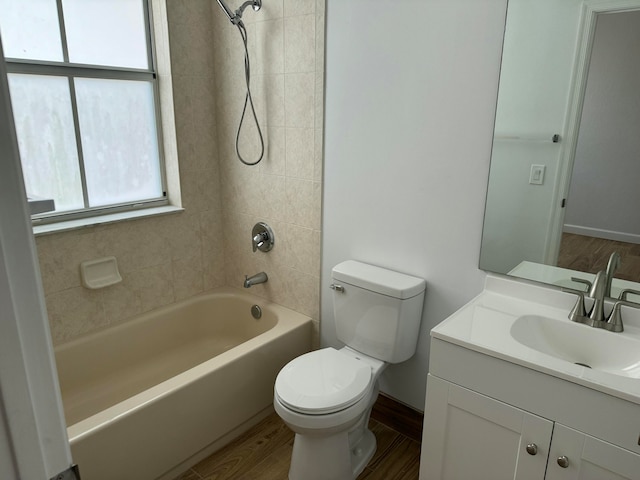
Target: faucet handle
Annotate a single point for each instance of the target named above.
(262, 237)
(614, 323)
(578, 311)
(626, 291)
(583, 281)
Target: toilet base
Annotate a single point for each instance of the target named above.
(330, 458)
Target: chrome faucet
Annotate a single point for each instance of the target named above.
(262, 237)
(255, 279)
(612, 266)
(600, 292)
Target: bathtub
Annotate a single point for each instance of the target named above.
(149, 398)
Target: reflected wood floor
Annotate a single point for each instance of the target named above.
(264, 452)
(590, 254)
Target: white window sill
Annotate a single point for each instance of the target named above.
(103, 219)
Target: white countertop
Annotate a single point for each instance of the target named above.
(484, 325)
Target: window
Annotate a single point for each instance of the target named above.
(85, 104)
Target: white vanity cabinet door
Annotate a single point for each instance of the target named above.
(470, 436)
(589, 458)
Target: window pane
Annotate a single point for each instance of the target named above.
(30, 29)
(119, 142)
(106, 32)
(44, 125)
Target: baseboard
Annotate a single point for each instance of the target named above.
(600, 233)
(398, 416)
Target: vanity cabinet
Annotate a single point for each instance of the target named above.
(468, 435)
(516, 390)
(472, 436)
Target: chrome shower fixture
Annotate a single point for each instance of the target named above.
(236, 17)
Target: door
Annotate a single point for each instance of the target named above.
(33, 437)
(576, 456)
(468, 435)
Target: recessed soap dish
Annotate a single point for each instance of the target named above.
(100, 273)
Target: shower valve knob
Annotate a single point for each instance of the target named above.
(262, 237)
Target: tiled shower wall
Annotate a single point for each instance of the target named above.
(168, 258)
(286, 48)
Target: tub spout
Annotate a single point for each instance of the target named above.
(255, 279)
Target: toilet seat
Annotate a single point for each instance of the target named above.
(322, 382)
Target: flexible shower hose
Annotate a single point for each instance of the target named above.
(248, 100)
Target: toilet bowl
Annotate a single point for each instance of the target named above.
(326, 396)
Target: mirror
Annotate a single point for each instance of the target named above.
(565, 166)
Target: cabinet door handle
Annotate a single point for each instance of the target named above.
(532, 449)
(563, 461)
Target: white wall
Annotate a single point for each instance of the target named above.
(410, 101)
(606, 170)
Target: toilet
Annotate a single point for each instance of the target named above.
(326, 396)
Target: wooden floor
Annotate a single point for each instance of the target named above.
(264, 452)
(590, 254)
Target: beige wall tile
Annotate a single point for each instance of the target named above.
(269, 47)
(319, 100)
(302, 291)
(303, 199)
(135, 244)
(270, 99)
(303, 246)
(300, 46)
(320, 39)
(300, 152)
(269, 196)
(213, 249)
(299, 100)
(274, 161)
(121, 302)
(318, 155)
(188, 276)
(74, 312)
(299, 7)
(270, 9)
(199, 189)
(60, 257)
(153, 286)
(190, 49)
(183, 236)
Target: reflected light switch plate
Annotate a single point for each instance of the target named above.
(536, 177)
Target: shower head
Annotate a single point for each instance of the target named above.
(236, 17)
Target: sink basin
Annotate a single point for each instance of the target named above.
(526, 324)
(598, 349)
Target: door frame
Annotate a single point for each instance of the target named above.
(33, 434)
(589, 14)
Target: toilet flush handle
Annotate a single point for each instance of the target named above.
(337, 288)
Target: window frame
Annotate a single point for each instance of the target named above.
(70, 71)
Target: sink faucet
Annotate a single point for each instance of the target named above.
(599, 292)
(255, 279)
(612, 266)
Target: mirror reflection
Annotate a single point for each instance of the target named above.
(565, 165)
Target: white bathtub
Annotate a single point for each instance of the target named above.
(151, 397)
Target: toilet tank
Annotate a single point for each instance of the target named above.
(377, 311)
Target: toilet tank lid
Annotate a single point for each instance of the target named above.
(379, 280)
